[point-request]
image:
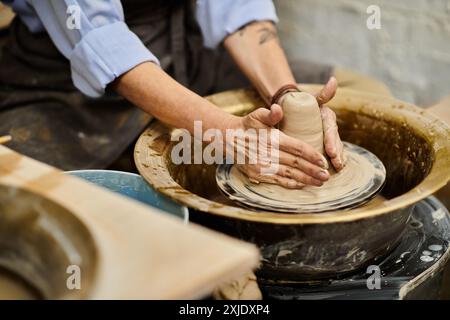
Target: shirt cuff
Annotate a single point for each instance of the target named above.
(104, 54)
(245, 12)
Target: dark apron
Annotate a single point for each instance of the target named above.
(51, 121)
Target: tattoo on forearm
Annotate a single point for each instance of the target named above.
(267, 34)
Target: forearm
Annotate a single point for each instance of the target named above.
(257, 51)
(150, 88)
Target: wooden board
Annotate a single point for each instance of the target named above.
(142, 252)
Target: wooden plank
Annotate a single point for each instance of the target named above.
(5, 139)
(143, 253)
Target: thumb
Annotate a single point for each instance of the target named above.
(328, 91)
(269, 117)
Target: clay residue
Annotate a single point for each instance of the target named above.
(359, 180)
(14, 288)
(343, 188)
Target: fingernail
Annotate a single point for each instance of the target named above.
(323, 163)
(323, 175)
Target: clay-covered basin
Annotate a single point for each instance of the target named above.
(413, 145)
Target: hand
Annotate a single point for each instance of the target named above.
(299, 163)
(333, 144)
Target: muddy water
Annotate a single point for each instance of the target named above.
(13, 287)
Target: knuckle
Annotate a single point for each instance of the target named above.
(313, 171)
(309, 180)
(329, 114)
(331, 151)
(287, 173)
(278, 180)
(300, 149)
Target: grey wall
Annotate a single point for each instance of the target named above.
(410, 53)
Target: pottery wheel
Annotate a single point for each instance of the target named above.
(362, 167)
(360, 180)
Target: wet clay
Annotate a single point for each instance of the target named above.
(302, 120)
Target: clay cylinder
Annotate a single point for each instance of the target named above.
(302, 119)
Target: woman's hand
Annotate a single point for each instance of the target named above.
(333, 144)
(257, 51)
(299, 164)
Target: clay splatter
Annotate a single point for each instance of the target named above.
(404, 254)
(438, 214)
(426, 258)
(435, 247)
